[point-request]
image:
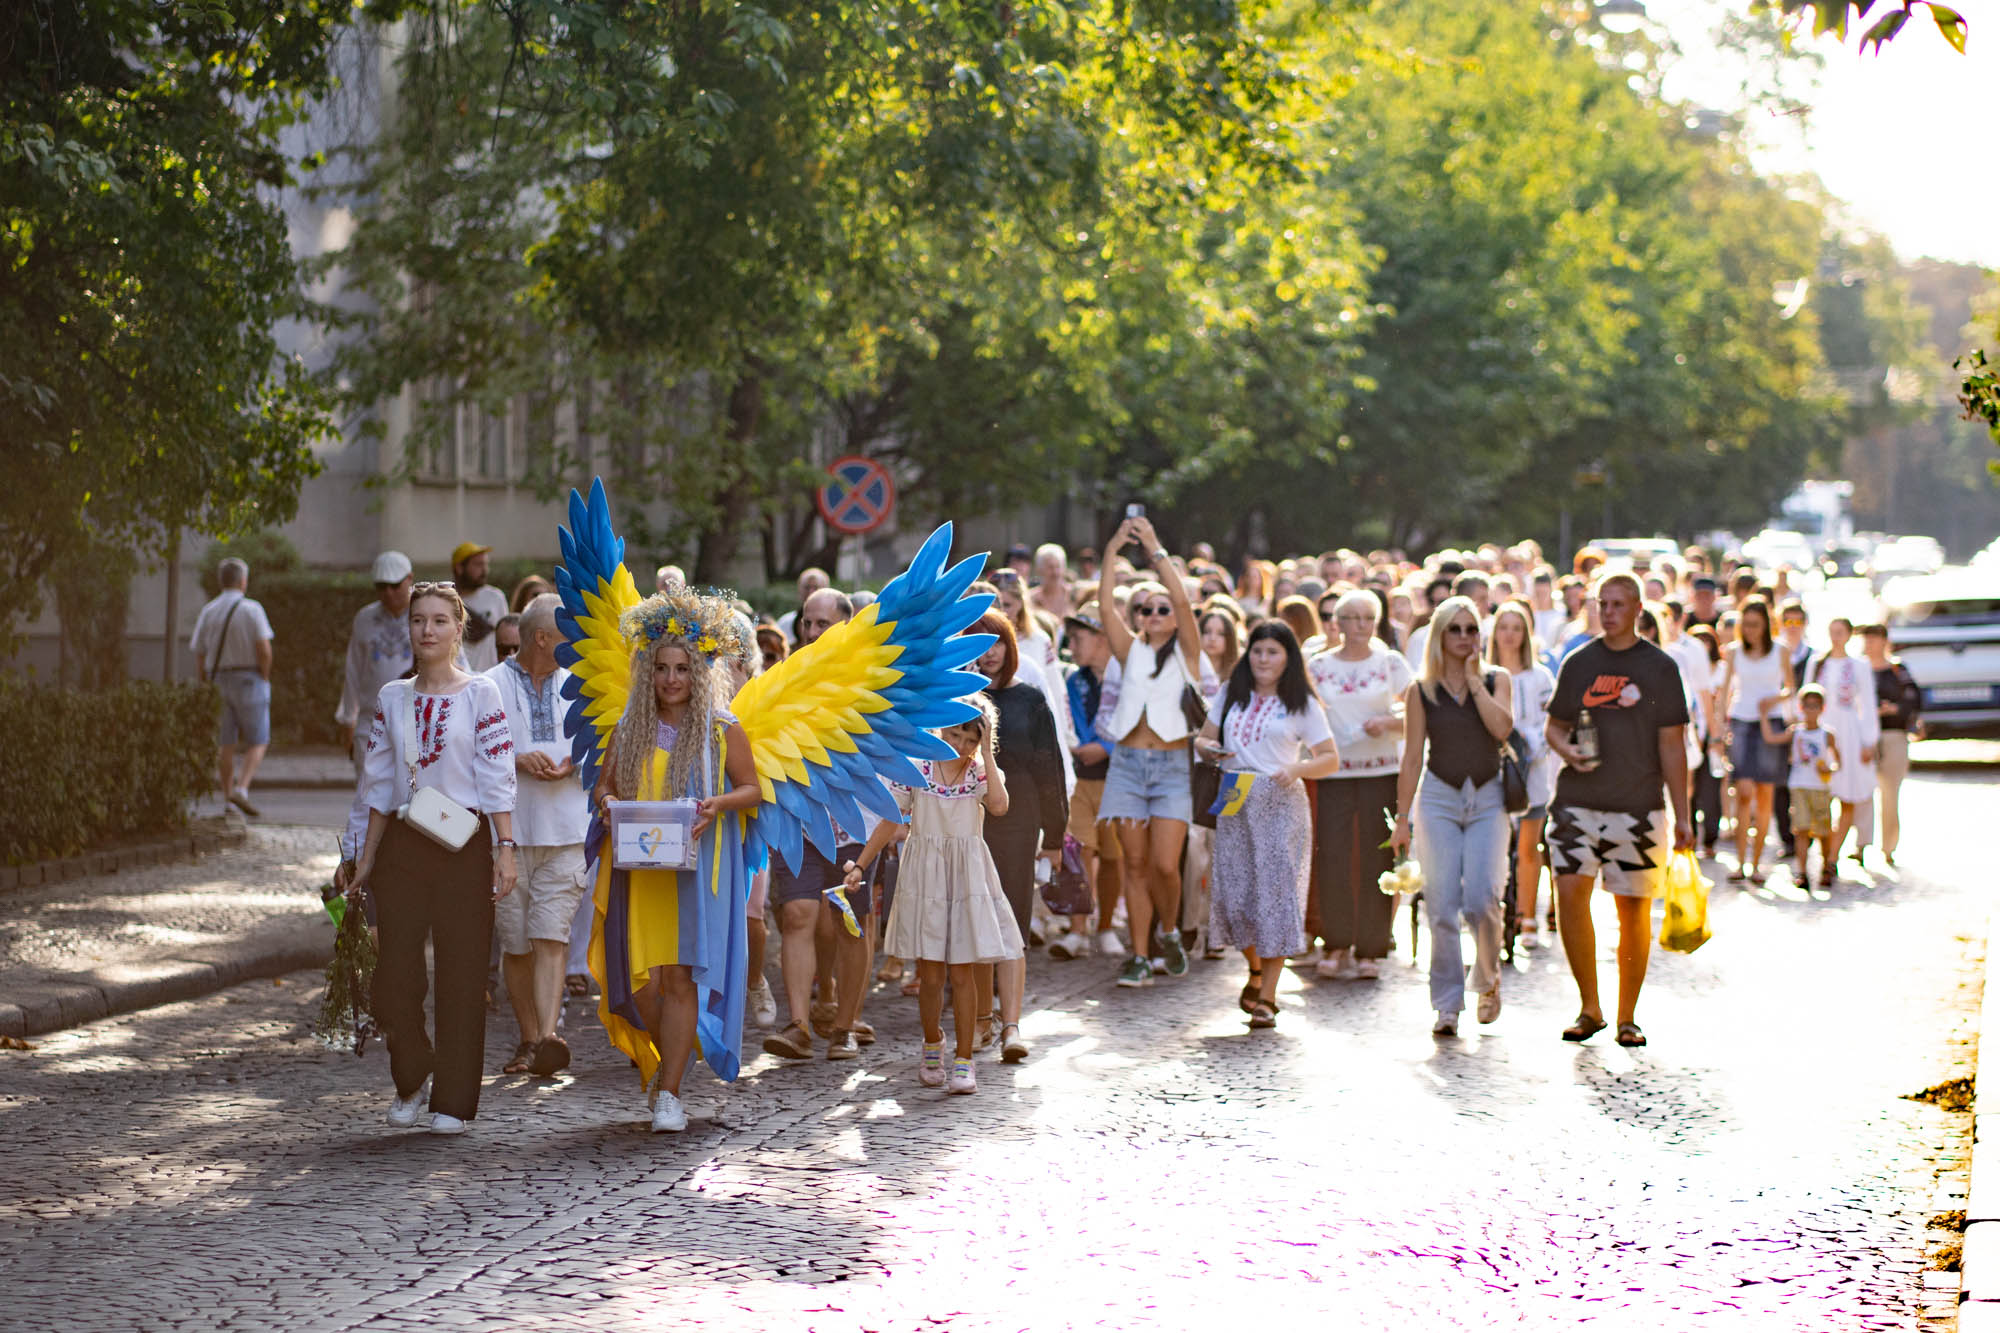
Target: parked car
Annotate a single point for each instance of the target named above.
(1775, 547)
(1845, 560)
(1946, 628)
(1900, 556)
(1638, 552)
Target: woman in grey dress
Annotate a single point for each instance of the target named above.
(1268, 732)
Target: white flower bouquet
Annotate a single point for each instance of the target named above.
(1407, 877)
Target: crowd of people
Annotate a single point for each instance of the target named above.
(1478, 712)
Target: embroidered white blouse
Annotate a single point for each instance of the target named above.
(463, 747)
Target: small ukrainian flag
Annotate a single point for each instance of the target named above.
(836, 898)
(1235, 791)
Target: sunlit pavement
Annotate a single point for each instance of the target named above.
(1155, 1165)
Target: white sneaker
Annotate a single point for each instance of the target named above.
(1367, 969)
(403, 1111)
(1306, 962)
(669, 1116)
(1109, 944)
(446, 1124)
(1335, 965)
(1446, 1024)
(763, 1006)
(1075, 944)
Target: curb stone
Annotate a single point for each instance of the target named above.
(85, 997)
(181, 846)
(1979, 1268)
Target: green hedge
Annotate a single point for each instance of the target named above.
(311, 613)
(110, 764)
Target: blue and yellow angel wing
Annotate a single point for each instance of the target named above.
(832, 721)
(596, 589)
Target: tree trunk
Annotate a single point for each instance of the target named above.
(715, 552)
(93, 587)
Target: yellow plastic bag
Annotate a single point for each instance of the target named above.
(1686, 926)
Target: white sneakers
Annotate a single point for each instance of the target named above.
(1367, 969)
(1074, 944)
(1109, 944)
(446, 1124)
(763, 1007)
(1334, 965)
(403, 1111)
(1446, 1024)
(669, 1116)
(962, 1080)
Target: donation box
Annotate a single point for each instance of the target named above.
(652, 835)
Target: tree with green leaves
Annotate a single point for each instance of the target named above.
(723, 231)
(144, 263)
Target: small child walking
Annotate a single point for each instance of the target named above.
(950, 915)
(1815, 758)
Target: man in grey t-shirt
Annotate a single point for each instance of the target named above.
(232, 648)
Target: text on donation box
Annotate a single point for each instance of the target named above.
(652, 835)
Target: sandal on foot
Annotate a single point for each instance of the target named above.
(891, 970)
(517, 1063)
(1583, 1029)
(1248, 997)
(912, 986)
(576, 985)
(791, 1041)
(1738, 875)
(551, 1057)
(1263, 1015)
(1629, 1035)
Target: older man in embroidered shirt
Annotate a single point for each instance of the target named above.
(551, 816)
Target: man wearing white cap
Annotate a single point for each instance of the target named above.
(485, 605)
(378, 647)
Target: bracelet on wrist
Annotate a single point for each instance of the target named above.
(505, 842)
(1161, 555)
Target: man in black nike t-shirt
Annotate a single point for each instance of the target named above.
(1609, 817)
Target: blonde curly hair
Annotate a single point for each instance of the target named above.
(637, 732)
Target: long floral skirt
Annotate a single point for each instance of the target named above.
(1263, 872)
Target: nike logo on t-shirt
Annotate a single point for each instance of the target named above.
(1611, 692)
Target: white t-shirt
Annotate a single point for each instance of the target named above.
(1353, 692)
(1262, 736)
(248, 627)
(1807, 749)
(1551, 626)
(489, 604)
(1533, 689)
(546, 814)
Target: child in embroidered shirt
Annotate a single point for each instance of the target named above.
(950, 914)
(1815, 758)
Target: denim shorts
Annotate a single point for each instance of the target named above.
(246, 706)
(815, 876)
(1753, 758)
(1147, 784)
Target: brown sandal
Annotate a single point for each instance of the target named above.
(791, 1041)
(1263, 1015)
(518, 1062)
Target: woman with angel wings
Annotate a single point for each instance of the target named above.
(806, 743)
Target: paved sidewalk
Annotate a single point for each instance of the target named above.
(1154, 1166)
(306, 766)
(108, 944)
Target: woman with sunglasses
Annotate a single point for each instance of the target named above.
(1457, 714)
(1146, 790)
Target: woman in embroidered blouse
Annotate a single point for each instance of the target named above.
(1267, 724)
(461, 746)
(1361, 684)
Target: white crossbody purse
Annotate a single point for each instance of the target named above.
(429, 811)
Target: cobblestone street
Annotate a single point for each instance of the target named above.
(207, 1166)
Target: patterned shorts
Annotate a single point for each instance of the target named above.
(1630, 852)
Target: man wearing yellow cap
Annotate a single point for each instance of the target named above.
(485, 605)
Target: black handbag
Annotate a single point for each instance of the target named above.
(1193, 709)
(1514, 773)
(1205, 778)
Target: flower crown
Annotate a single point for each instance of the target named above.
(706, 623)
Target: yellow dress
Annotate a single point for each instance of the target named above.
(643, 919)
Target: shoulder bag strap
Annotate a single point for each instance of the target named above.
(222, 639)
(408, 747)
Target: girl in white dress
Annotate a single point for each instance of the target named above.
(950, 914)
(1855, 720)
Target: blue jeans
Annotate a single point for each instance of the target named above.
(1460, 840)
